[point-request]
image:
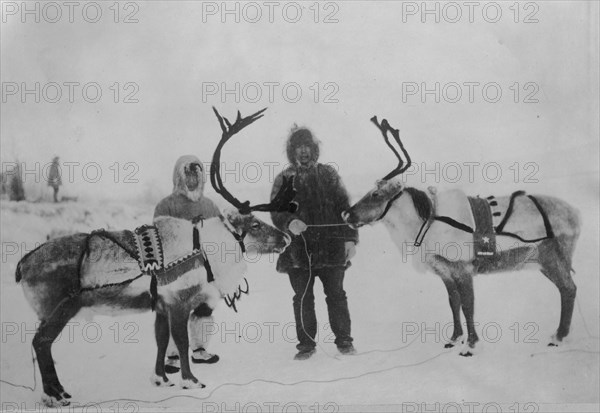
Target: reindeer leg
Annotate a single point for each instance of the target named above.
(54, 393)
(178, 319)
(464, 282)
(558, 271)
(443, 269)
(455, 304)
(161, 332)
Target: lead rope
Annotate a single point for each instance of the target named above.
(309, 256)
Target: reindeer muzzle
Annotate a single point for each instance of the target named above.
(350, 218)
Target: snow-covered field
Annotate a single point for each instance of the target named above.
(400, 322)
(505, 98)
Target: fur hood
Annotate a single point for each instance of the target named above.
(298, 136)
(179, 186)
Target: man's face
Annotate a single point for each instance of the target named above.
(193, 175)
(303, 154)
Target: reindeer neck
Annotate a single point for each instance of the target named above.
(402, 222)
(223, 253)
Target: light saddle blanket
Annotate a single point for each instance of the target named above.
(117, 257)
(487, 225)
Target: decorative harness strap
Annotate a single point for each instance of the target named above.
(498, 229)
(149, 245)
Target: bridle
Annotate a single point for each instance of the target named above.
(389, 204)
(238, 237)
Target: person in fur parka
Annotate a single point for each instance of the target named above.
(188, 202)
(321, 198)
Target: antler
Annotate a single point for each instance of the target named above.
(281, 202)
(385, 127)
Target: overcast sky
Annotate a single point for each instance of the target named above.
(367, 63)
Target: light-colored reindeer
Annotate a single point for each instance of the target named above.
(98, 271)
(527, 229)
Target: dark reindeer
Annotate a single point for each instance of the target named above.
(525, 229)
(101, 270)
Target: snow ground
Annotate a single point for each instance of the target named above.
(400, 320)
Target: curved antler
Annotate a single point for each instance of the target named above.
(281, 202)
(385, 127)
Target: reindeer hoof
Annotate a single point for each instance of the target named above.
(52, 401)
(554, 341)
(191, 384)
(159, 381)
(468, 350)
(454, 342)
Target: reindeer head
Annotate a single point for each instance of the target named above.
(377, 202)
(255, 234)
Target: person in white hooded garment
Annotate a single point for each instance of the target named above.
(188, 202)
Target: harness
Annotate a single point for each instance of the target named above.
(482, 213)
(238, 237)
(144, 245)
(389, 204)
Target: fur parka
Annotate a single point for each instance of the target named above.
(183, 203)
(321, 198)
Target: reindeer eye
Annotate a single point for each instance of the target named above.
(376, 194)
(255, 225)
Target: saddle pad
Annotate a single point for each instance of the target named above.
(110, 258)
(484, 236)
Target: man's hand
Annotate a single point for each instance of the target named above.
(297, 227)
(350, 250)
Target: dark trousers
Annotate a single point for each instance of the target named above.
(332, 279)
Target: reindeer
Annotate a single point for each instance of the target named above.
(425, 224)
(103, 270)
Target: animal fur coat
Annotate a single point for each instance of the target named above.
(321, 198)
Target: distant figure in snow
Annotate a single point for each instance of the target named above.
(187, 202)
(321, 198)
(54, 177)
